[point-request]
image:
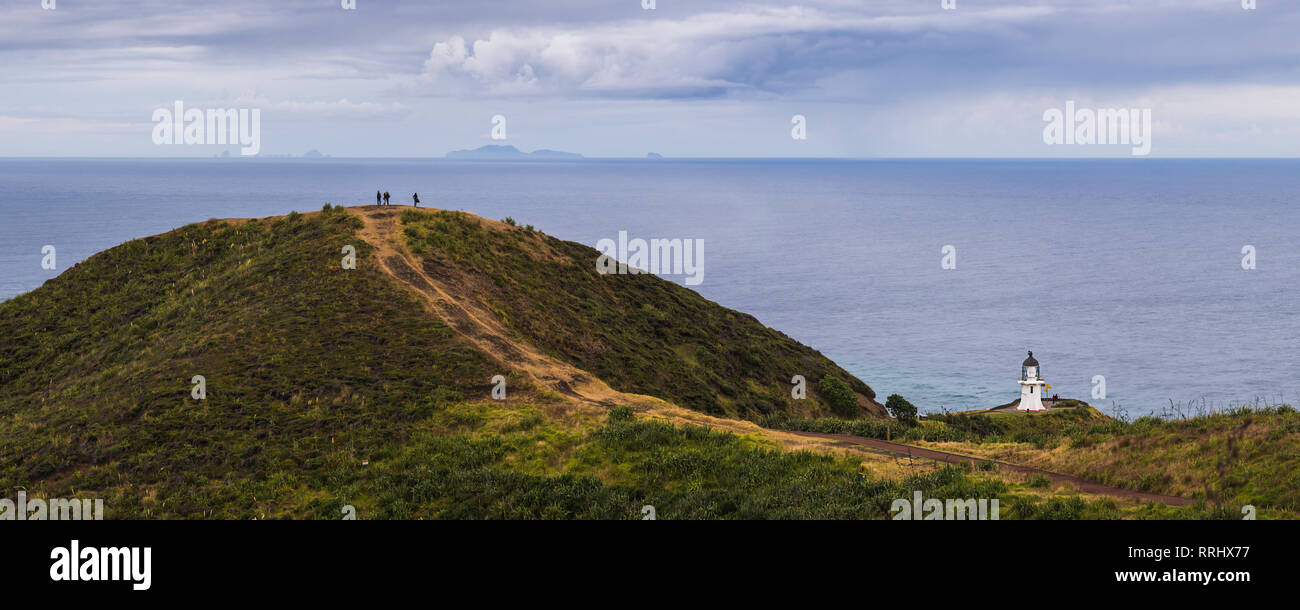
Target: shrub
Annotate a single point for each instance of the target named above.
(621, 413)
(1064, 509)
(901, 409)
(839, 396)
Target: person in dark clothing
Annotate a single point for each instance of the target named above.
(416, 197)
(386, 198)
(379, 198)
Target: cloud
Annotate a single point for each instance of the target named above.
(11, 122)
(70, 125)
(342, 108)
(756, 51)
(878, 77)
(854, 52)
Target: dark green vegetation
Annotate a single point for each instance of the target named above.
(900, 408)
(638, 333)
(688, 472)
(954, 427)
(308, 367)
(842, 400)
(328, 387)
(685, 472)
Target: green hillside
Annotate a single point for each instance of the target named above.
(324, 386)
(638, 333)
(328, 388)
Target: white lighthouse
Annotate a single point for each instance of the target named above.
(1031, 386)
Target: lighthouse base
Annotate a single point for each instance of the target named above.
(1030, 403)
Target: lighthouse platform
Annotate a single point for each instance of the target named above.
(1051, 404)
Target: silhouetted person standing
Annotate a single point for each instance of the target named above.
(379, 198)
(386, 198)
(416, 197)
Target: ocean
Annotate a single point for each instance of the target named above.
(1129, 270)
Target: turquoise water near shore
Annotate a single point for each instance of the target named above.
(1129, 269)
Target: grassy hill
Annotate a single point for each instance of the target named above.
(327, 386)
(1230, 458)
(306, 364)
(1227, 459)
(372, 387)
(638, 333)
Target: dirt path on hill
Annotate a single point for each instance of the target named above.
(458, 307)
(471, 319)
(954, 458)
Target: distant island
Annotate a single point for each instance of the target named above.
(653, 155)
(497, 152)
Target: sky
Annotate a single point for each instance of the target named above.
(688, 78)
